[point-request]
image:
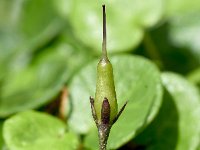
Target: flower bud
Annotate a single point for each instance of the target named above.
(105, 88)
(105, 102)
(104, 106)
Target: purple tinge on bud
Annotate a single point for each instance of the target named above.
(105, 112)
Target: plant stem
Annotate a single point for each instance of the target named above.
(103, 130)
(152, 50)
(104, 126)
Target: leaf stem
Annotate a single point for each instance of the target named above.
(151, 49)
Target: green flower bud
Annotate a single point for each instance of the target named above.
(105, 88)
(104, 106)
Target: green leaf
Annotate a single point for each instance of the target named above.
(185, 32)
(33, 131)
(177, 125)
(198, 146)
(27, 22)
(126, 21)
(174, 7)
(39, 82)
(25, 26)
(162, 49)
(133, 75)
(1, 135)
(194, 77)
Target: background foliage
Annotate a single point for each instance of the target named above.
(49, 50)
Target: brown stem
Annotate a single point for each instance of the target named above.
(104, 131)
(63, 104)
(104, 125)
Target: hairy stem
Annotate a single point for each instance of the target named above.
(103, 130)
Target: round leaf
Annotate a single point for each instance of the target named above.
(35, 85)
(33, 131)
(136, 80)
(39, 82)
(126, 21)
(25, 25)
(177, 125)
(185, 32)
(174, 7)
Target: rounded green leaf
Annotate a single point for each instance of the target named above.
(126, 21)
(174, 7)
(187, 100)
(25, 26)
(35, 85)
(136, 80)
(184, 31)
(177, 125)
(168, 54)
(33, 131)
(39, 82)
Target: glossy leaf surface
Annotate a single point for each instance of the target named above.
(134, 82)
(178, 122)
(32, 131)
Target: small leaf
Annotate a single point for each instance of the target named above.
(185, 32)
(136, 80)
(33, 131)
(174, 7)
(42, 80)
(25, 26)
(167, 52)
(177, 125)
(126, 21)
